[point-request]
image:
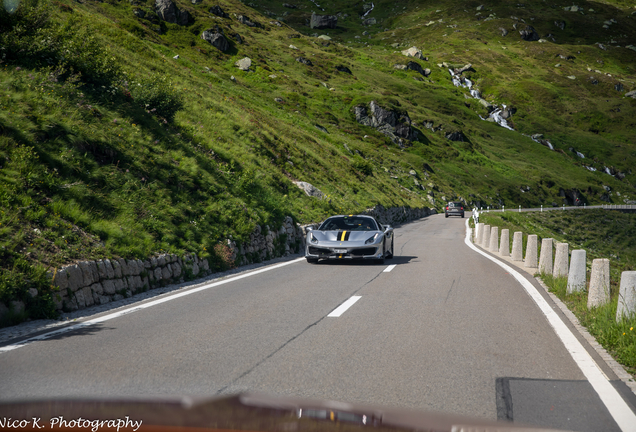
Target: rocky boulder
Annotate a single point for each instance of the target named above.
(216, 10)
(168, 12)
(417, 68)
(631, 94)
(395, 125)
(304, 61)
(456, 136)
(323, 21)
(529, 34)
(244, 64)
(341, 68)
(216, 39)
(309, 189)
(413, 52)
(246, 21)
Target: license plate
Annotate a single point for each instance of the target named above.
(340, 251)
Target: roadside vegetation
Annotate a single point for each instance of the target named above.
(603, 234)
(123, 136)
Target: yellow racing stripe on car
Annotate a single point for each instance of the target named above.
(342, 237)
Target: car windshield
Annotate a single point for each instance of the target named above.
(349, 223)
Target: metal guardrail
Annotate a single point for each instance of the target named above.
(627, 207)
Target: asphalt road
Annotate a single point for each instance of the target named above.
(445, 330)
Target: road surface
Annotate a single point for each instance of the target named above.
(439, 327)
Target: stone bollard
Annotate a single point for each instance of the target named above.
(486, 237)
(627, 296)
(479, 233)
(545, 259)
(504, 247)
(531, 252)
(561, 260)
(517, 246)
(577, 277)
(494, 240)
(599, 293)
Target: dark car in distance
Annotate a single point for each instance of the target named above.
(454, 209)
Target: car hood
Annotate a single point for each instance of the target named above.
(344, 235)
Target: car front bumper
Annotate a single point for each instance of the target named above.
(373, 251)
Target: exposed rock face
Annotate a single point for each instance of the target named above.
(529, 34)
(503, 31)
(560, 24)
(393, 124)
(168, 12)
(631, 94)
(506, 113)
(413, 52)
(244, 64)
(341, 68)
(216, 39)
(323, 21)
(216, 10)
(369, 21)
(309, 189)
(304, 61)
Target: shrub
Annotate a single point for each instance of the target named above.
(155, 93)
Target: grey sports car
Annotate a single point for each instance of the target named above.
(349, 237)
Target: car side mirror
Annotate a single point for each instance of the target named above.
(387, 227)
(307, 229)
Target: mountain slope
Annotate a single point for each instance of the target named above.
(111, 145)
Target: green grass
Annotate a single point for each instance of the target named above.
(110, 147)
(619, 339)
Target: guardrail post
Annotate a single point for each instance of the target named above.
(541, 208)
(563, 206)
(486, 237)
(561, 260)
(545, 259)
(599, 293)
(494, 240)
(519, 209)
(531, 252)
(503, 208)
(626, 296)
(577, 277)
(504, 244)
(517, 246)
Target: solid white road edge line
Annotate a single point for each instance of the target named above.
(343, 307)
(389, 268)
(142, 306)
(618, 408)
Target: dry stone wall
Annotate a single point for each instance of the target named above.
(98, 282)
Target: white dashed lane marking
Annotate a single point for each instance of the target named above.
(389, 268)
(343, 307)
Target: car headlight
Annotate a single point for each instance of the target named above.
(372, 239)
(312, 238)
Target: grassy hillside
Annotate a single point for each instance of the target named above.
(112, 146)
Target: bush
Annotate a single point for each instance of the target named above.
(156, 94)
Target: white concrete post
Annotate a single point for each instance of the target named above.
(519, 209)
(561, 260)
(504, 246)
(599, 293)
(494, 240)
(531, 252)
(577, 277)
(545, 259)
(626, 296)
(517, 246)
(486, 237)
(480, 232)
